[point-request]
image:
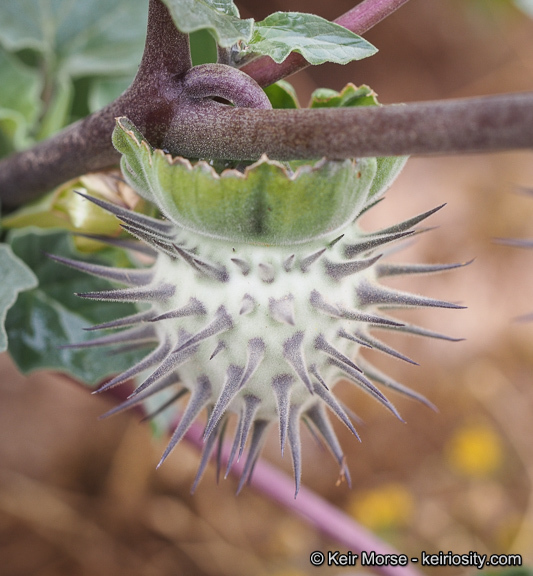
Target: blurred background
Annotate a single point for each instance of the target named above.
(81, 496)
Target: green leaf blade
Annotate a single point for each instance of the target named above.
(93, 37)
(20, 103)
(50, 315)
(282, 95)
(16, 278)
(220, 17)
(349, 96)
(315, 38)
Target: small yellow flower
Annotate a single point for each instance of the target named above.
(474, 450)
(382, 508)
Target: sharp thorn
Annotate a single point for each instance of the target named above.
(148, 294)
(295, 444)
(382, 347)
(228, 392)
(248, 304)
(251, 406)
(515, 242)
(267, 273)
(318, 301)
(235, 445)
(137, 334)
(222, 322)
(129, 276)
(209, 446)
(374, 295)
(333, 242)
(370, 244)
(367, 318)
(366, 385)
(281, 385)
(322, 344)
(154, 358)
(386, 269)
(418, 331)
(243, 266)
(124, 213)
(293, 354)
(221, 345)
(308, 261)
(172, 362)
(122, 322)
(134, 401)
(282, 309)
(325, 395)
(160, 409)
(353, 337)
(139, 247)
(256, 443)
(385, 380)
(407, 224)
(339, 270)
(157, 244)
(200, 396)
(193, 308)
(288, 263)
(317, 415)
(220, 446)
(256, 352)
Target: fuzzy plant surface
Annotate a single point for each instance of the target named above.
(261, 292)
(246, 288)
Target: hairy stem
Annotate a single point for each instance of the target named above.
(85, 146)
(150, 103)
(359, 19)
(440, 127)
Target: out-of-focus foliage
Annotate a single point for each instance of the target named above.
(50, 315)
(20, 102)
(57, 54)
(16, 277)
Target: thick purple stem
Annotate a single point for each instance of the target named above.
(359, 19)
(318, 512)
(150, 103)
(441, 127)
(86, 145)
(222, 81)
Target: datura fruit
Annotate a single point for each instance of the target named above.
(262, 291)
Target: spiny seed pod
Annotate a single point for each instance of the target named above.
(262, 291)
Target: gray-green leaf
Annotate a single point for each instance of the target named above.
(78, 37)
(51, 315)
(16, 277)
(388, 169)
(20, 102)
(105, 90)
(282, 95)
(315, 38)
(349, 96)
(220, 17)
